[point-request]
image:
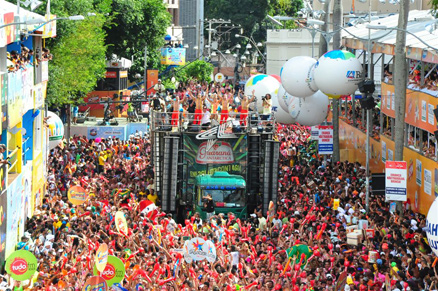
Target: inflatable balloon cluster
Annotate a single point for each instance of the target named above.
(302, 95)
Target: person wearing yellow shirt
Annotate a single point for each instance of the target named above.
(102, 160)
(152, 196)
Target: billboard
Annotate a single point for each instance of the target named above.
(173, 56)
(106, 131)
(395, 181)
(213, 155)
(325, 139)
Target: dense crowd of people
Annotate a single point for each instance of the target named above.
(319, 237)
(19, 60)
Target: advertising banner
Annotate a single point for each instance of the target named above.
(15, 95)
(106, 132)
(325, 140)
(26, 197)
(212, 155)
(152, 80)
(101, 257)
(121, 224)
(9, 30)
(27, 77)
(395, 181)
(314, 132)
(21, 265)
(114, 271)
(15, 207)
(173, 56)
(419, 107)
(427, 182)
(95, 283)
(77, 195)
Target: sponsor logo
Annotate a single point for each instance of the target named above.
(109, 272)
(216, 132)
(219, 153)
(351, 75)
(19, 266)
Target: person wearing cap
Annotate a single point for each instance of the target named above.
(159, 88)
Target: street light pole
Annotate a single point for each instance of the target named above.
(367, 170)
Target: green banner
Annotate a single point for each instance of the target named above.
(114, 271)
(21, 265)
(209, 156)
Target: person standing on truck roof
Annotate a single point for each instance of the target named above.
(209, 206)
(199, 101)
(245, 105)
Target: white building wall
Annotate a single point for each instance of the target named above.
(284, 44)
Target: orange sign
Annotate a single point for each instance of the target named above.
(152, 80)
(77, 195)
(121, 224)
(419, 107)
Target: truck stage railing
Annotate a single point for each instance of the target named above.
(236, 122)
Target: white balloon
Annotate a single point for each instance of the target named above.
(284, 98)
(262, 85)
(281, 116)
(338, 73)
(311, 110)
(56, 129)
(432, 227)
(297, 76)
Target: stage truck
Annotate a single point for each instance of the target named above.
(236, 164)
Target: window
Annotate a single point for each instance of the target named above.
(224, 198)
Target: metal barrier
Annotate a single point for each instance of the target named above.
(193, 122)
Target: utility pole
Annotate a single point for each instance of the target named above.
(400, 82)
(209, 38)
(337, 22)
(323, 44)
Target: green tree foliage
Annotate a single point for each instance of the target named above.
(78, 63)
(286, 8)
(246, 13)
(198, 70)
(137, 23)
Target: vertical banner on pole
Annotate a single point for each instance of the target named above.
(396, 181)
(325, 140)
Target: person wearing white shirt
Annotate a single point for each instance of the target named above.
(206, 118)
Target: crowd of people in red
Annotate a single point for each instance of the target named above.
(305, 244)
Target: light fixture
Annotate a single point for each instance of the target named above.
(186, 46)
(246, 52)
(207, 45)
(243, 58)
(382, 27)
(238, 46)
(259, 44)
(76, 17)
(315, 22)
(195, 47)
(91, 14)
(235, 55)
(321, 1)
(249, 46)
(237, 35)
(227, 52)
(213, 54)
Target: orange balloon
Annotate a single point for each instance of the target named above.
(64, 272)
